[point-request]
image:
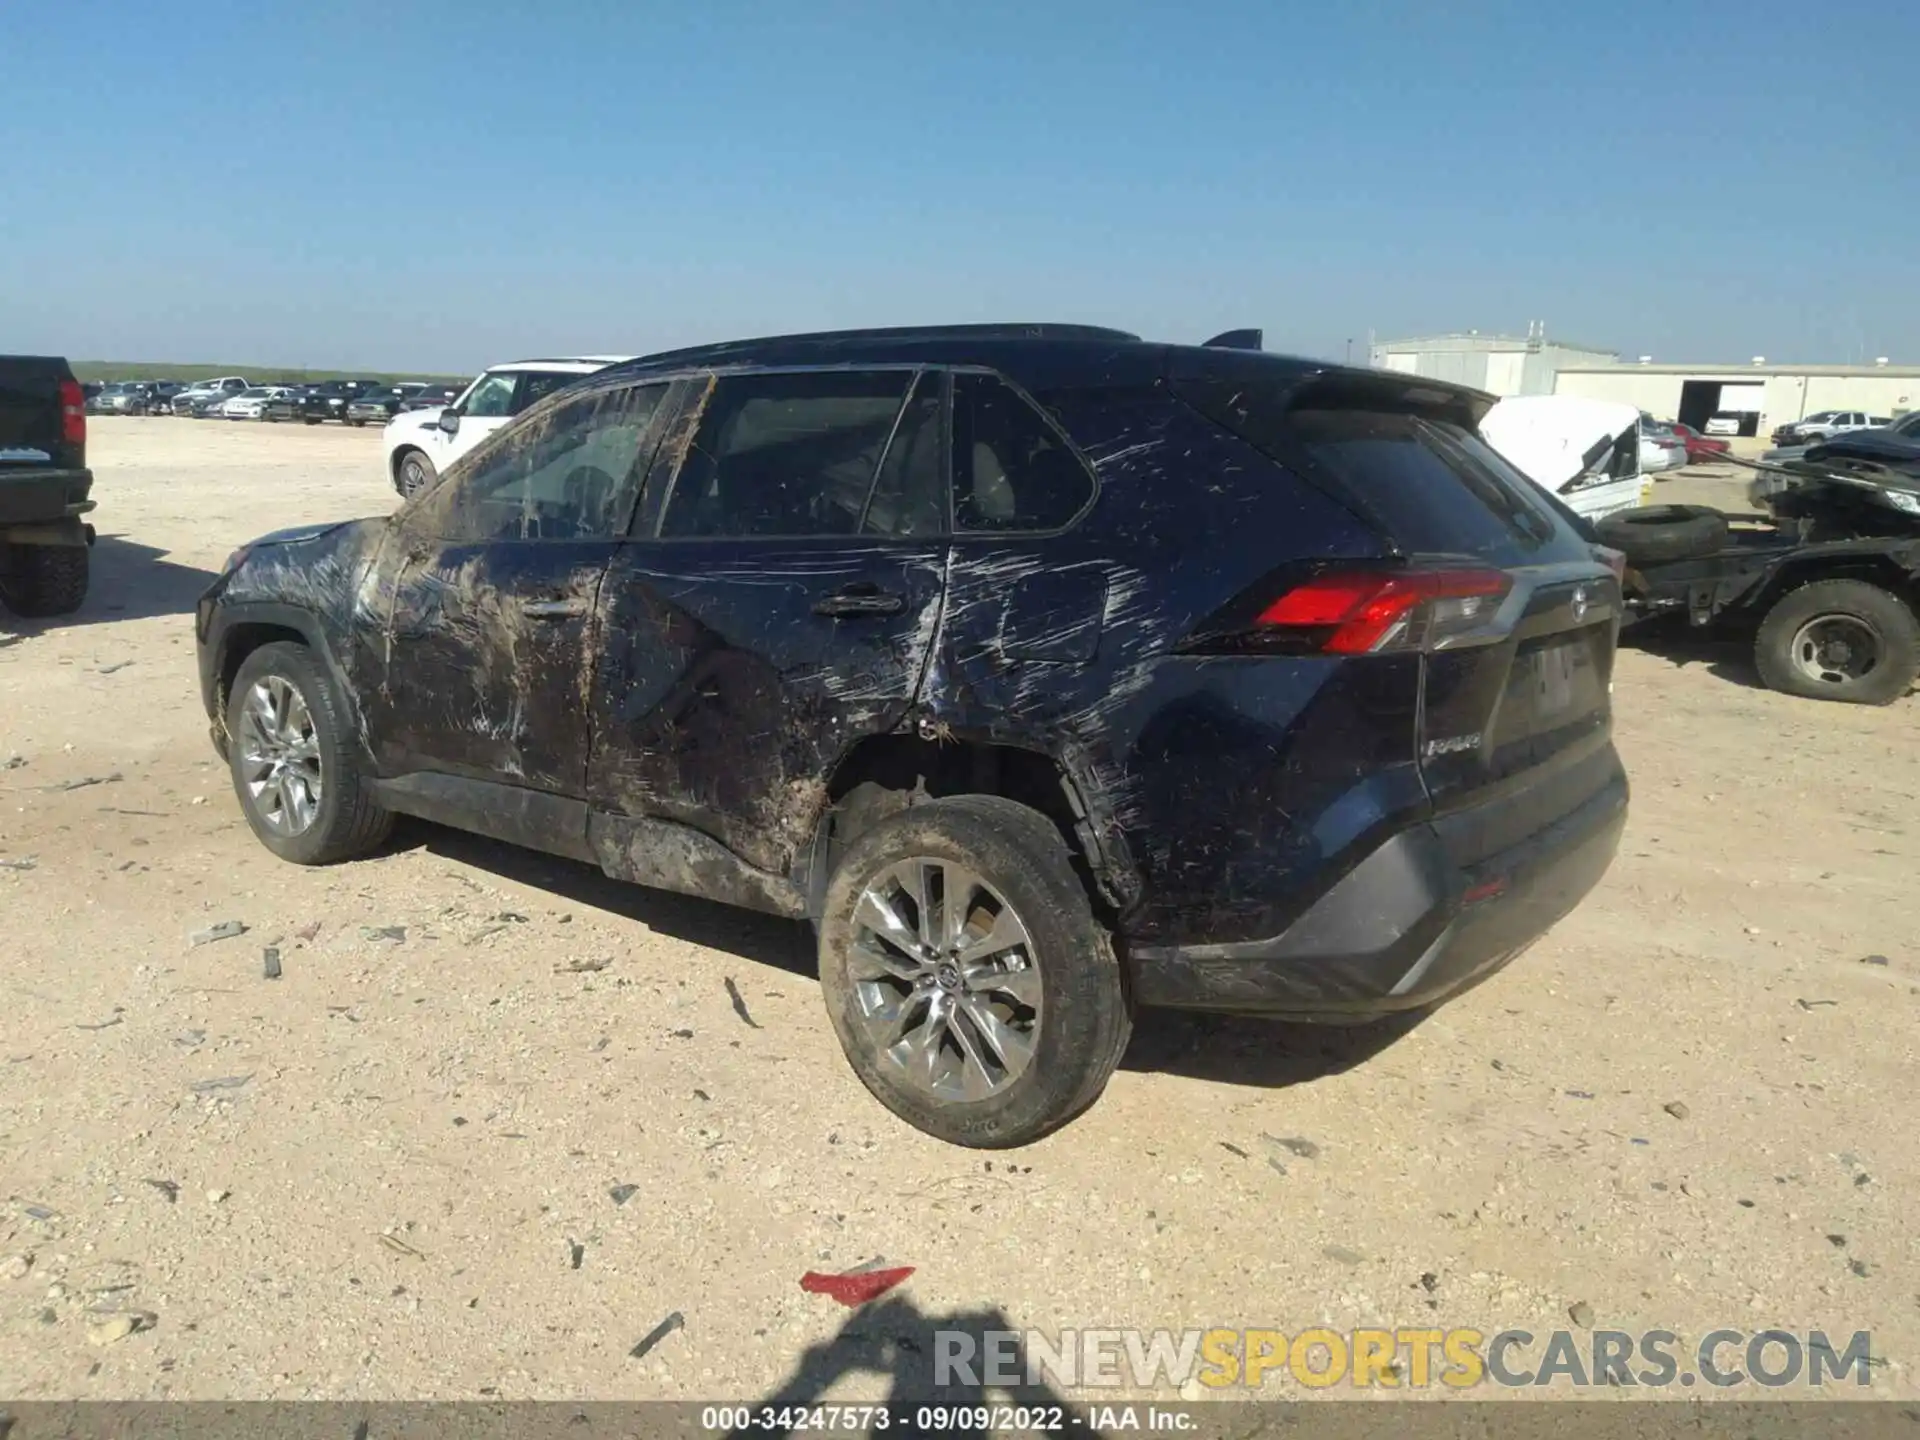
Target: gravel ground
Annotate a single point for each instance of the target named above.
(501, 1118)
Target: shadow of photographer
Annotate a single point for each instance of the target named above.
(937, 1362)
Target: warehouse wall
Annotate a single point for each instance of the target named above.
(1652, 391)
(1788, 397)
(1877, 395)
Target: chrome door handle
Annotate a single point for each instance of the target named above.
(553, 609)
(859, 599)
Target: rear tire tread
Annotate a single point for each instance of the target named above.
(1086, 1022)
(45, 580)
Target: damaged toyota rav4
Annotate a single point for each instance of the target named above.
(1048, 672)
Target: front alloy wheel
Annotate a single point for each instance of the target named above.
(296, 766)
(280, 756)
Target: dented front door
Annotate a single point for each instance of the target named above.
(781, 607)
(477, 624)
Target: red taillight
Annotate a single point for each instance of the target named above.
(73, 413)
(1362, 612)
(1486, 890)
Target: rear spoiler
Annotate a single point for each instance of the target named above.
(1237, 340)
(1226, 371)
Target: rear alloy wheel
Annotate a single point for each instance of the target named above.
(1840, 640)
(294, 766)
(971, 987)
(953, 1000)
(416, 474)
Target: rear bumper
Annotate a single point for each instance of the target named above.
(40, 497)
(1406, 928)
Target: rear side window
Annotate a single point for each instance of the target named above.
(535, 386)
(793, 455)
(908, 494)
(1012, 471)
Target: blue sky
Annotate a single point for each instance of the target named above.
(411, 184)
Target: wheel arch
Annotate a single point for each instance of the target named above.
(398, 457)
(247, 628)
(1880, 569)
(885, 774)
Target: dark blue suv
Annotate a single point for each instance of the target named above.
(1047, 671)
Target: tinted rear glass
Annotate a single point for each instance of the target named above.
(1437, 486)
(1428, 481)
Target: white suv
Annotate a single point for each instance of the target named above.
(421, 444)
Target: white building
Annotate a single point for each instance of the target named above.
(1759, 394)
(1499, 364)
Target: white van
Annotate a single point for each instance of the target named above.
(1585, 452)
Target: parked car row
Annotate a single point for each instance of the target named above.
(129, 397)
(232, 397)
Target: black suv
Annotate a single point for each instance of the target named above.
(329, 399)
(1047, 671)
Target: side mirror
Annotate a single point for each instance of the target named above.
(449, 420)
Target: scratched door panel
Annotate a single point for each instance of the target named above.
(481, 658)
(723, 699)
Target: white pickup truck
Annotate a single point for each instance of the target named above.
(1586, 453)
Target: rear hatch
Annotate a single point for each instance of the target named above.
(42, 414)
(1487, 577)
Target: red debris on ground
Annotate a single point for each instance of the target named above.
(857, 1287)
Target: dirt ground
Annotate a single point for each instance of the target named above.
(444, 1157)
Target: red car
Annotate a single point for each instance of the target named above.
(1701, 449)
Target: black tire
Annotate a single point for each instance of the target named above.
(37, 581)
(1655, 534)
(1083, 1017)
(414, 475)
(1877, 630)
(311, 419)
(347, 823)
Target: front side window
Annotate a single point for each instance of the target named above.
(535, 386)
(791, 455)
(568, 473)
(491, 397)
(1012, 471)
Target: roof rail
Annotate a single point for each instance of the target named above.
(1237, 340)
(1035, 331)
